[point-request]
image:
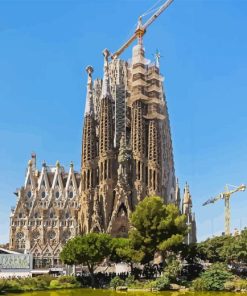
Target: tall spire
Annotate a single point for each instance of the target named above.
(187, 196)
(89, 108)
(106, 82)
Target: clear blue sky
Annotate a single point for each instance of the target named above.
(44, 49)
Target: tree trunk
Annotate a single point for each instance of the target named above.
(91, 271)
(131, 268)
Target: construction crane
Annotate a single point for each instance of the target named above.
(226, 195)
(141, 29)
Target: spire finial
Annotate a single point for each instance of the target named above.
(187, 188)
(157, 57)
(187, 196)
(71, 164)
(89, 98)
(106, 84)
(58, 164)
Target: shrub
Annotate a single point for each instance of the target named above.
(173, 270)
(198, 284)
(116, 282)
(149, 284)
(54, 284)
(161, 284)
(213, 279)
(3, 285)
(13, 285)
(242, 284)
(130, 281)
(229, 286)
(237, 285)
(42, 281)
(67, 280)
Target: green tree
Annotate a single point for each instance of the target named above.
(235, 250)
(214, 278)
(123, 251)
(214, 249)
(156, 227)
(89, 250)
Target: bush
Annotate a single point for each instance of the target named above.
(198, 284)
(54, 284)
(236, 285)
(64, 282)
(173, 270)
(149, 284)
(229, 286)
(42, 281)
(161, 284)
(242, 284)
(213, 279)
(67, 280)
(130, 281)
(3, 285)
(13, 285)
(116, 282)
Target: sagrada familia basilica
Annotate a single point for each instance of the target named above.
(126, 155)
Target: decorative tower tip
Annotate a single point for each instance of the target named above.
(106, 83)
(89, 69)
(89, 98)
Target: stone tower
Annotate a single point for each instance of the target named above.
(129, 144)
(187, 210)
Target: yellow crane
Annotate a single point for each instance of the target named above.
(141, 29)
(226, 195)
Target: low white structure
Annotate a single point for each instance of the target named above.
(13, 264)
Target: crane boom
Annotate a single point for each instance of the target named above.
(157, 13)
(213, 199)
(226, 195)
(123, 47)
(141, 29)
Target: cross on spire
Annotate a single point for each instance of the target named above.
(157, 57)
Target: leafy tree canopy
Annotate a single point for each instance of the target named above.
(123, 251)
(235, 250)
(156, 227)
(213, 249)
(89, 250)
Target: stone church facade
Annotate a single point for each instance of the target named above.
(126, 156)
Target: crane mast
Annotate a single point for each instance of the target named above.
(226, 195)
(141, 29)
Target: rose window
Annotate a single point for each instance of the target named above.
(51, 234)
(20, 235)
